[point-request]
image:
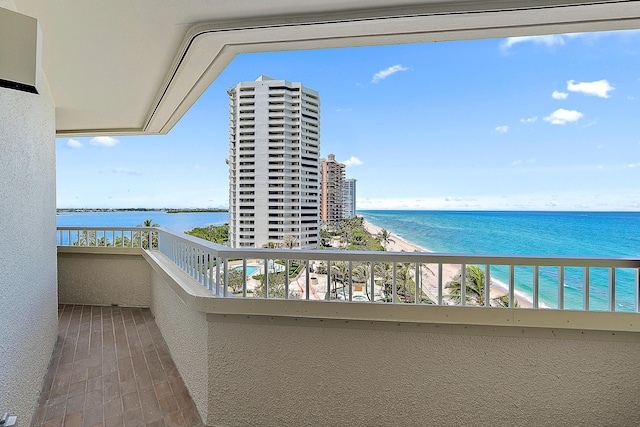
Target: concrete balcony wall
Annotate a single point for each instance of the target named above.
(269, 362)
(103, 276)
(28, 313)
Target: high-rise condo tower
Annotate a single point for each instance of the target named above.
(274, 152)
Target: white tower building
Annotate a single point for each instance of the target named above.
(349, 198)
(274, 194)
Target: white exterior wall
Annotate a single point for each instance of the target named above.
(28, 286)
(274, 121)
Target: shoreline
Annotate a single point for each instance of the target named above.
(449, 271)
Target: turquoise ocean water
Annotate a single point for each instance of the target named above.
(597, 234)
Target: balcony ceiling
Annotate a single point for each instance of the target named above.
(136, 66)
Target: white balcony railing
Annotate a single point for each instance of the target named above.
(590, 284)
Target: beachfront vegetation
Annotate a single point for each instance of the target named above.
(351, 235)
(213, 233)
(276, 286)
(475, 289)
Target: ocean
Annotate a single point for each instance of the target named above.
(599, 234)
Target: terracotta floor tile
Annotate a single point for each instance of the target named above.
(130, 402)
(114, 421)
(73, 420)
(134, 418)
(111, 367)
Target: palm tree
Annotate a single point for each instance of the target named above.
(474, 289)
(384, 237)
(145, 235)
(339, 272)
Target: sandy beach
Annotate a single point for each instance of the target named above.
(430, 278)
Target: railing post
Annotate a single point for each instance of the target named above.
(612, 289)
(226, 277)
(487, 285)
(637, 288)
(561, 288)
(440, 296)
(307, 276)
(512, 286)
(585, 289)
(394, 282)
(266, 278)
(536, 285)
(463, 284)
(286, 277)
(373, 282)
(418, 283)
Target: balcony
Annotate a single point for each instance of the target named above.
(340, 336)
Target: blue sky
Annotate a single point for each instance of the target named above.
(535, 123)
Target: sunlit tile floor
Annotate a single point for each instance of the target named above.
(111, 367)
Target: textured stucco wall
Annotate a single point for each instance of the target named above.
(185, 332)
(28, 300)
(104, 279)
(273, 375)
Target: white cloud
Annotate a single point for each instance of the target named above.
(352, 161)
(631, 98)
(104, 141)
(600, 88)
(562, 116)
(600, 146)
(74, 143)
(529, 120)
(383, 74)
(599, 167)
(196, 167)
(634, 165)
(126, 171)
(502, 129)
(550, 40)
(559, 95)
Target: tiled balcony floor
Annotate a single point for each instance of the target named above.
(111, 367)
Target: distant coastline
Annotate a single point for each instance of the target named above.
(170, 211)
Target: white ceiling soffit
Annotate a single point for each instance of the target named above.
(208, 48)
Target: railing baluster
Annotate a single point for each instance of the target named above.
(637, 288)
(561, 288)
(218, 276)
(266, 278)
(463, 284)
(512, 286)
(226, 277)
(585, 289)
(440, 284)
(307, 276)
(612, 289)
(350, 281)
(536, 285)
(487, 285)
(328, 277)
(394, 291)
(286, 278)
(418, 283)
(244, 277)
(373, 281)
